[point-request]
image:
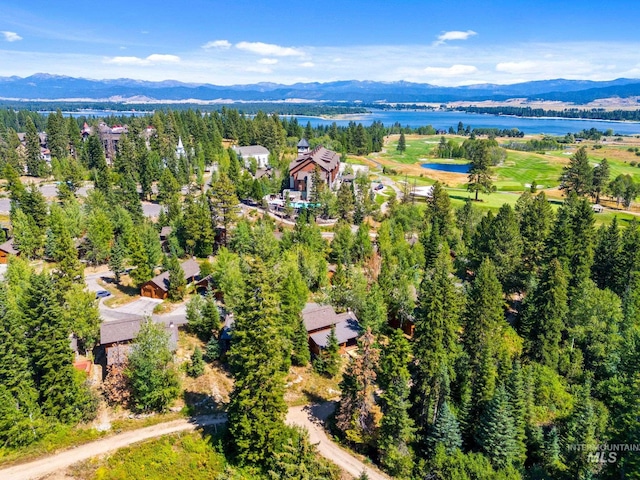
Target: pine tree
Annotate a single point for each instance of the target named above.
(518, 404)
(257, 408)
(445, 431)
(544, 317)
(35, 165)
(479, 170)
(482, 337)
(117, 258)
(535, 219)
(438, 212)
(223, 202)
(177, 280)
(435, 340)
(496, 433)
(600, 179)
(357, 416)
(577, 176)
(293, 296)
(402, 143)
(581, 430)
(61, 394)
(396, 427)
(154, 381)
(19, 411)
(195, 368)
(329, 362)
(608, 257)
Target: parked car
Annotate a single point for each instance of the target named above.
(379, 186)
(102, 294)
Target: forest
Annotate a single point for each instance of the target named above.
(497, 346)
(592, 113)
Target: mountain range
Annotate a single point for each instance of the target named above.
(55, 87)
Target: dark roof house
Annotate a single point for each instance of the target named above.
(158, 286)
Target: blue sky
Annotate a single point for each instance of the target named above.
(455, 42)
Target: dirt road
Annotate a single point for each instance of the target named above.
(47, 465)
(312, 418)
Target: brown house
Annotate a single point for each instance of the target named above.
(302, 168)
(6, 250)
(318, 320)
(158, 286)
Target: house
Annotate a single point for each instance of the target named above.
(301, 169)
(318, 321)
(257, 152)
(7, 249)
(116, 336)
(158, 286)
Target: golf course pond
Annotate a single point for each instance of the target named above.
(448, 167)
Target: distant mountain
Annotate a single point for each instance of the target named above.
(55, 87)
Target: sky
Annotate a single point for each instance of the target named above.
(447, 43)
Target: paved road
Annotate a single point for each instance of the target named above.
(310, 417)
(61, 461)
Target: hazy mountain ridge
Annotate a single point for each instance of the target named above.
(52, 87)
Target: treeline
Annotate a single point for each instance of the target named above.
(592, 114)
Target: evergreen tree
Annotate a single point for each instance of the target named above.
(544, 316)
(195, 368)
(117, 258)
(535, 220)
(257, 408)
(482, 338)
(36, 167)
(20, 422)
(516, 392)
(177, 281)
(329, 362)
(608, 257)
(445, 431)
(357, 416)
(154, 381)
(600, 179)
(438, 212)
(62, 394)
(581, 430)
(396, 427)
(435, 340)
(402, 143)
(577, 176)
(293, 296)
(223, 202)
(496, 432)
(479, 170)
(346, 201)
(99, 237)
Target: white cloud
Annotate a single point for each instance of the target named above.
(307, 64)
(11, 36)
(454, 35)
(221, 44)
(268, 61)
(526, 66)
(152, 59)
(452, 71)
(268, 49)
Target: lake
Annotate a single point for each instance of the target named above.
(441, 120)
(448, 167)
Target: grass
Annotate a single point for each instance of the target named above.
(514, 176)
(188, 456)
(65, 436)
(304, 386)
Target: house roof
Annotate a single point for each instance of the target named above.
(345, 330)
(251, 151)
(125, 330)
(264, 172)
(191, 269)
(8, 247)
(165, 232)
(317, 317)
(303, 142)
(325, 159)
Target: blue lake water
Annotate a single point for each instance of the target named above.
(448, 167)
(442, 120)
